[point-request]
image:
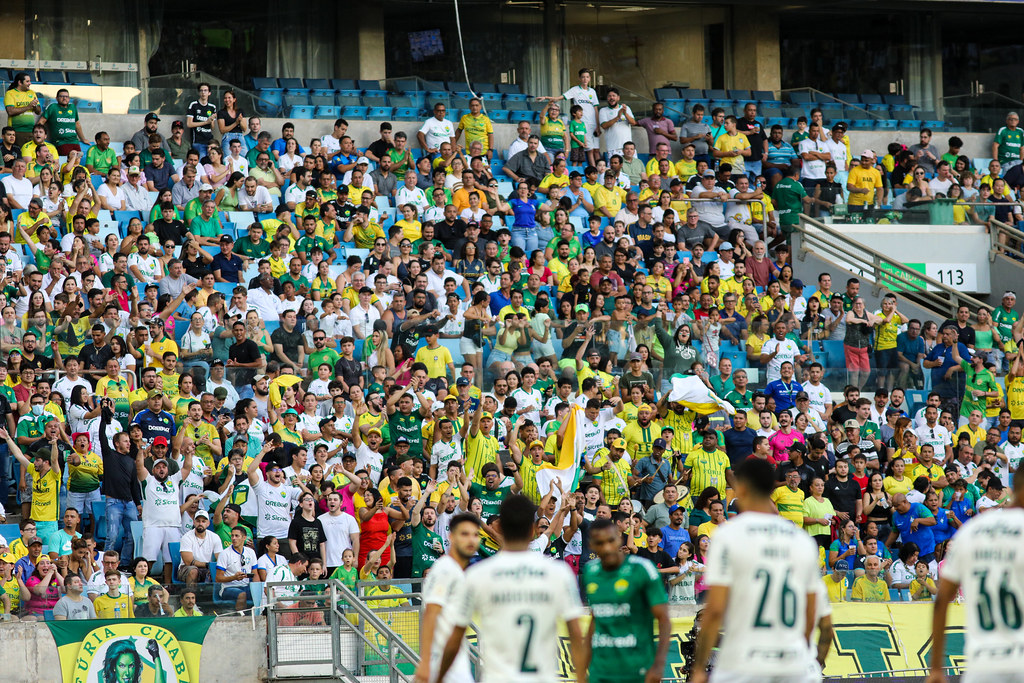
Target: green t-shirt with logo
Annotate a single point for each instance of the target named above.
(60, 123)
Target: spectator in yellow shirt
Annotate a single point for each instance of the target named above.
(732, 147)
(864, 183)
(609, 198)
(478, 127)
(871, 587)
(835, 582)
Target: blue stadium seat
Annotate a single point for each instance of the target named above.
(375, 99)
(126, 215)
(498, 115)
(264, 83)
(269, 101)
(490, 98)
(862, 124)
(290, 83)
(770, 111)
(517, 116)
(848, 97)
(894, 99)
(764, 95)
(319, 83)
(302, 111)
(904, 124)
(366, 84)
(327, 112)
(666, 93)
(799, 97)
(727, 105)
(175, 549)
(348, 98)
(401, 101)
(80, 78)
(89, 106)
(505, 88)
(344, 84)
(455, 114)
(871, 98)
(52, 77)
(515, 105)
(354, 112)
(322, 97)
(380, 113)
(777, 121)
(715, 94)
(516, 97)
(296, 98)
(406, 114)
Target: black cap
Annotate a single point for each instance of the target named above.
(151, 116)
(798, 447)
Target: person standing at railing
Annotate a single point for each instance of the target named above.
(864, 183)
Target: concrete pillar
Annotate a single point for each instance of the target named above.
(371, 43)
(755, 50)
(12, 29)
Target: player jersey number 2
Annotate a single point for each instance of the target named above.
(1004, 602)
(525, 666)
(786, 599)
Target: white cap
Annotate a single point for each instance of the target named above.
(867, 154)
(436, 406)
(206, 187)
(362, 160)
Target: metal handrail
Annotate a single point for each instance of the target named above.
(854, 105)
(944, 302)
(998, 228)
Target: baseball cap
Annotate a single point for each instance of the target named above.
(34, 540)
(436, 406)
(635, 356)
(842, 566)
(658, 443)
(575, 174)
(644, 406)
(851, 424)
(487, 416)
(798, 447)
(374, 430)
(867, 154)
(536, 442)
(402, 439)
(257, 378)
(206, 187)
(797, 284)
(151, 116)
(201, 513)
(134, 170)
(619, 443)
(220, 393)
(8, 558)
(155, 392)
(235, 507)
(217, 361)
(708, 173)
(177, 123)
(674, 508)
(594, 352)
(362, 160)
(226, 239)
(801, 395)
(462, 382)
(725, 246)
(160, 441)
(582, 307)
(160, 460)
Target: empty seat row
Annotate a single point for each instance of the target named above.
(395, 85)
(50, 77)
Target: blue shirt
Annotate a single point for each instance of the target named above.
(785, 394)
(946, 354)
(739, 444)
(783, 154)
(909, 349)
(525, 213)
(156, 424)
(588, 240)
(662, 472)
(579, 211)
(672, 539)
(943, 530)
(229, 266)
(279, 144)
(924, 537)
(340, 158)
(498, 302)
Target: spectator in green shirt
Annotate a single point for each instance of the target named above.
(100, 158)
(205, 228)
(62, 124)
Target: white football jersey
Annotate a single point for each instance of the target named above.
(438, 589)
(987, 560)
(770, 566)
(516, 600)
(937, 437)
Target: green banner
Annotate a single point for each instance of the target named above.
(903, 277)
(130, 650)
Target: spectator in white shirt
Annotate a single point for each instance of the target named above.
(436, 130)
(17, 186)
(254, 197)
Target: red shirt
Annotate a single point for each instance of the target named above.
(759, 272)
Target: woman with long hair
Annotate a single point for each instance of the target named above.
(291, 159)
(232, 122)
(269, 556)
(216, 173)
(376, 351)
(479, 324)
(877, 504)
(375, 525)
(469, 265)
(22, 107)
(43, 588)
(226, 198)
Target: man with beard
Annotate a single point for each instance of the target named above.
(244, 359)
(427, 546)
(161, 516)
(275, 498)
(439, 588)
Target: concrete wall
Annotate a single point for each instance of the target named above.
(756, 61)
(233, 651)
(12, 29)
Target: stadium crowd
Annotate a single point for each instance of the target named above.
(282, 398)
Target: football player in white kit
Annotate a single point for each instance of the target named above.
(516, 600)
(438, 588)
(761, 575)
(986, 562)
(819, 651)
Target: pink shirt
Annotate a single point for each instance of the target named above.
(780, 444)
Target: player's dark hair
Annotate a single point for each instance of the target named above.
(758, 475)
(517, 515)
(463, 518)
(601, 525)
